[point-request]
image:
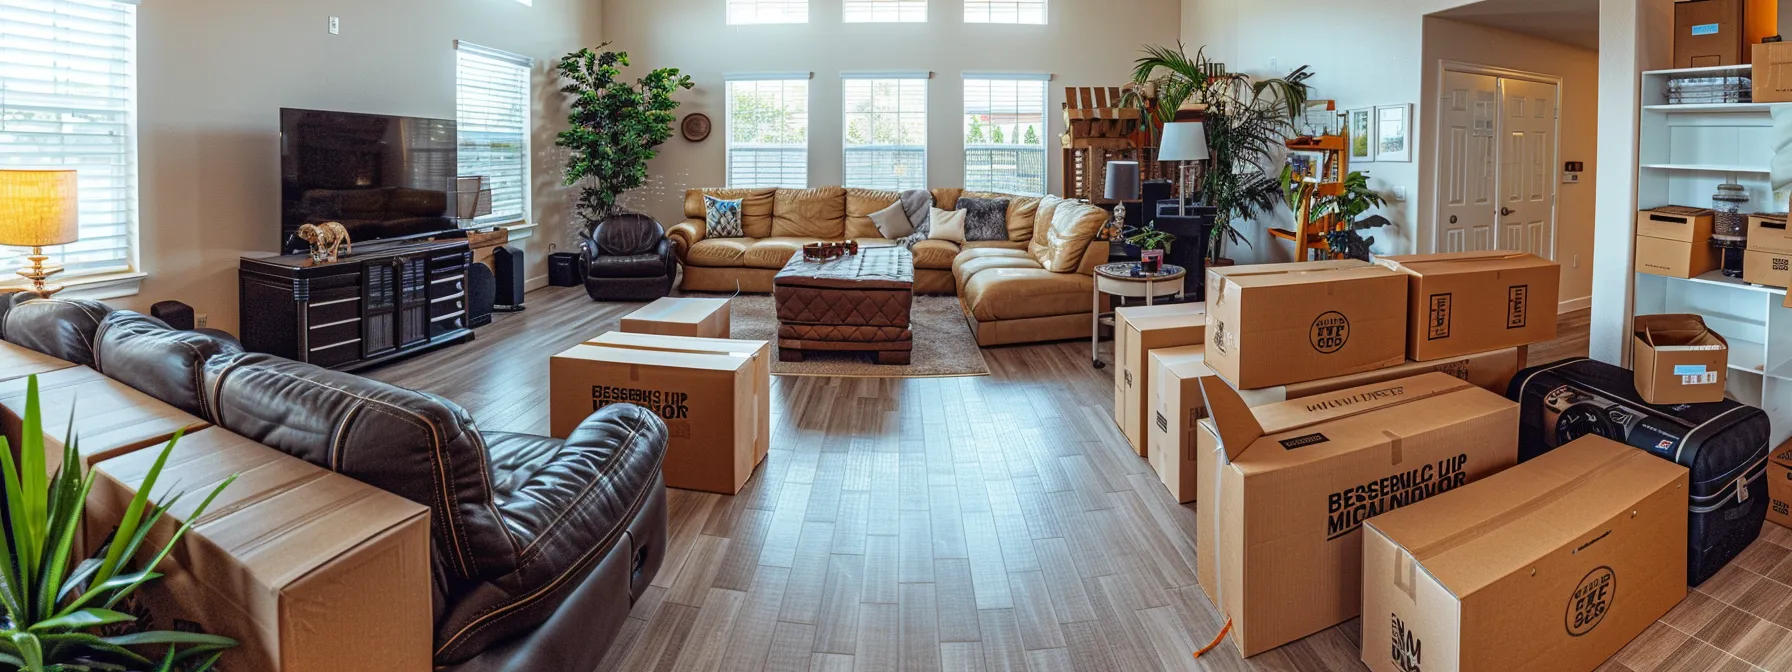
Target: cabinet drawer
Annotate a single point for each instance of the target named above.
(331, 353)
(332, 333)
(447, 316)
(448, 286)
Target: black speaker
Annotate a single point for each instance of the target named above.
(563, 270)
(481, 290)
(1152, 192)
(507, 277)
(174, 313)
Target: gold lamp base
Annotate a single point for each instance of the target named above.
(38, 272)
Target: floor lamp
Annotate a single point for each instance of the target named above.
(38, 209)
(1183, 141)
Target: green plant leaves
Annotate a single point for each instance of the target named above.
(616, 126)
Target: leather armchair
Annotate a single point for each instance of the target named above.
(628, 258)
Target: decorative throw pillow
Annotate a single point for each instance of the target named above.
(947, 225)
(721, 218)
(985, 218)
(892, 222)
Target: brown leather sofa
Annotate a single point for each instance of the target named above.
(1044, 292)
(540, 546)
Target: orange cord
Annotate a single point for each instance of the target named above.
(1216, 639)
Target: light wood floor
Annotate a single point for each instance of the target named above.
(992, 523)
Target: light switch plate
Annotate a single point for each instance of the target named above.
(335, 26)
(1399, 194)
(1570, 178)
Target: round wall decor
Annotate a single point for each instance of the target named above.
(696, 127)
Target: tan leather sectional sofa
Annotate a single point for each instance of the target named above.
(1035, 286)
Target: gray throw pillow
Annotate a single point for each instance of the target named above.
(892, 222)
(721, 218)
(985, 218)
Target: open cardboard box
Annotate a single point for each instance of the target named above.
(1678, 360)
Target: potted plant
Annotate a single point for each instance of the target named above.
(1246, 121)
(1345, 210)
(616, 127)
(59, 612)
(1155, 244)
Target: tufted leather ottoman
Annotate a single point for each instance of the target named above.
(854, 303)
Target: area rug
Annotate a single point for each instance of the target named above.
(944, 345)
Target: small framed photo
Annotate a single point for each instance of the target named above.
(1393, 133)
(1360, 124)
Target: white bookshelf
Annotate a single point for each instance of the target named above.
(1685, 151)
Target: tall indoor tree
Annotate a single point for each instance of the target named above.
(617, 126)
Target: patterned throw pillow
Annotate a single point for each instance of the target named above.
(985, 218)
(721, 218)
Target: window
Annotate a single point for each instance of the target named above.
(492, 119)
(886, 11)
(1004, 134)
(1004, 11)
(68, 99)
(768, 11)
(886, 132)
(768, 132)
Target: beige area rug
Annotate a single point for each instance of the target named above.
(944, 345)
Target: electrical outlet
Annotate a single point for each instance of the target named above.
(1570, 178)
(199, 321)
(1273, 64)
(1399, 194)
(335, 26)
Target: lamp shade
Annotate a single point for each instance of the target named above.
(39, 208)
(1123, 181)
(1183, 141)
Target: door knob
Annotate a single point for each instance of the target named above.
(1506, 212)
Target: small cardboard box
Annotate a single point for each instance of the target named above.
(1120, 350)
(1707, 33)
(114, 419)
(1771, 269)
(1674, 222)
(1678, 360)
(679, 316)
(1779, 486)
(1143, 332)
(1556, 563)
(1675, 241)
(1178, 407)
(1768, 233)
(1276, 324)
(707, 401)
(1468, 302)
(759, 351)
(19, 362)
(1278, 533)
(310, 570)
(1772, 74)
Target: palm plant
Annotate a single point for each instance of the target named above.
(55, 611)
(1246, 121)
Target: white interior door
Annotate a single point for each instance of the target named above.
(1527, 174)
(1467, 165)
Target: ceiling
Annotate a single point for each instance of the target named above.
(1573, 22)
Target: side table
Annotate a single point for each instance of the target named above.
(1118, 280)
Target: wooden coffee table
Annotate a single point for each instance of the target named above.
(855, 303)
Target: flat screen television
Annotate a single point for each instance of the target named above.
(382, 177)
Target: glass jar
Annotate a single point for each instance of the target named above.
(1729, 226)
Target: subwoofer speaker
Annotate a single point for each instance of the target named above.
(507, 272)
(481, 291)
(174, 313)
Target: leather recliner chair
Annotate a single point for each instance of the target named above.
(539, 547)
(628, 258)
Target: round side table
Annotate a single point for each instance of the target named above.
(1118, 280)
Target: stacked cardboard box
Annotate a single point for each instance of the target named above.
(1779, 486)
(681, 316)
(1138, 332)
(1675, 241)
(1469, 302)
(1768, 259)
(115, 419)
(1277, 324)
(20, 362)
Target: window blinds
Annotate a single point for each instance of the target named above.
(1004, 141)
(1004, 11)
(493, 124)
(68, 71)
(768, 133)
(886, 11)
(768, 11)
(886, 133)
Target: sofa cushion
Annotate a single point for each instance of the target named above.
(985, 219)
(974, 261)
(809, 213)
(935, 254)
(1074, 225)
(891, 222)
(946, 225)
(60, 328)
(160, 361)
(1022, 293)
(719, 252)
(773, 253)
(755, 207)
(1021, 212)
(861, 204)
(1042, 223)
(721, 218)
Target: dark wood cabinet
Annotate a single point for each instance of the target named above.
(385, 301)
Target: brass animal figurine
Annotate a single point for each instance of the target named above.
(325, 239)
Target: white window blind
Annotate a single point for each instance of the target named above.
(1004, 135)
(767, 11)
(768, 133)
(492, 119)
(68, 99)
(886, 11)
(886, 132)
(1004, 11)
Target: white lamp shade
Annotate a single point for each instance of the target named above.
(39, 208)
(1183, 141)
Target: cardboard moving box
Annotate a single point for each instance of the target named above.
(1678, 360)
(759, 351)
(1276, 324)
(1466, 302)
(707, 401)
(310, 570)
(1284, 491)
(1137, 333)
(19, 362)
(679, 316)
(1708, 33)
(1768, 259)
(1675, 241)
(1772, 74)
(1552, 565)
(1178, 407)
(114, 419)
(1779, 486)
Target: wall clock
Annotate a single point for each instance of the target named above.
(696, 127)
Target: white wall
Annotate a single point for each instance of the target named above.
(1086, 43)
(1448, 40)
(215, 73)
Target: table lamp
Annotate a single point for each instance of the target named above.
(38, 209)
(1183, 141)
(1122, 186)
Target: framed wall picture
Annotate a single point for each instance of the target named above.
(1360, 123)
(1393, 133)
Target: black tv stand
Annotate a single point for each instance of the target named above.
(390, 299)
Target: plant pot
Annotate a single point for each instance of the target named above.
(1151, 261)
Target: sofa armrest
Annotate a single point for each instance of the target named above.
(1095, 255)
(683, 236)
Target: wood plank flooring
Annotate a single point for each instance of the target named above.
(991, 523)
